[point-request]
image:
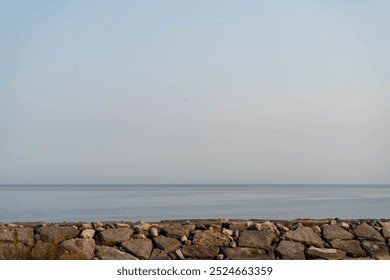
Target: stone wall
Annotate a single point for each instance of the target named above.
(198, 239)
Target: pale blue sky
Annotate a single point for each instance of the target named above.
(194, 92)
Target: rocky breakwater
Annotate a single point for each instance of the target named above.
(198, 239)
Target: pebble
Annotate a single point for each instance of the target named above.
(153, 232)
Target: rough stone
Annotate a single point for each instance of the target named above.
(199, 251)
(386, 230)
(240, 226)
(351, 247)
(369, 233)
(305, 235)
(210, 238)
(290, 250)
(239, 253)
(377, 250)
(14, 251)
(77, 249)
(86, 226)
(141, 248)
(158, 254)
(256, 239)
(56, 234)
(153, 232)
(331, 232)
(110, 237)
(344, 225)
(175, 230)
(141, 227)
(325, 253)
(87, 233)
(110, 253)
(44, 251)
(166, 244)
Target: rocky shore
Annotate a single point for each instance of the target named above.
(198, 239)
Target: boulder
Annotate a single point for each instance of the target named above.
(175, 230)
(331, 232)
(289, 250)
(256, 239)
(45, 251)
(386, 230)
(158, 254)
(77, 249)
(14, 251)
(22, 235)
(110, 253)
(305, 235)
(166, 244)
(110, 237)
(351, 247)
(377, 250)
(239, 253)
(368, 232)
(199, 251)
(56, 234)
(210, 238)
(141, 248)
(325, 253)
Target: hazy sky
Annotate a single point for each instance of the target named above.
(194, 92)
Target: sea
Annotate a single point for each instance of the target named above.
(153, 203)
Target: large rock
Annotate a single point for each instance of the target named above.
(377, 250)
(331, 232)
(306, 236)
(210, 238)
(199, 251)
(386, 230)
(14, 251)
(239, 253)
(256, 239)
(22, 235)
(111, 236)
(77, 249)
(369, 233)
(109, 253)
(351, 247)
(175, 230)
(45, 251)
(56, 234)
(158, 254)
(325, 253)
(289, 250)
(166, 244)
(141, 248)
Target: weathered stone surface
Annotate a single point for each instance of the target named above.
(377, 250)
(7, 235)
(110, 237)
(141, 248)
(141, 227)
(256, 239)
(14, 251)
(175, 230)
(305, 235)
(325, 253)
(290, 250)
(87, 233)
(240, 226)
(77, 249)
(386, 230)
(331, 232)
(199, 251)
(351, 247)
(239, 253)
(158, 254)
(369, 233)
(210, 238)
(45, 251)
(166, 244)
(22, 235)
(56, 234)
(109, 253)
(153, 232)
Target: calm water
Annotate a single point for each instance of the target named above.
(158, 202)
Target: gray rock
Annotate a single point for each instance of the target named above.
(77, 249)
(14, 251)
(377, 250)
(351, 247)
(289, 250)
(57, 234)
(158, 254)
(141, 248)
(87, 233)
(210, 238)
(256, 239)
(166, 244)
(199, 251)
(239, 253)
(331, 232)
(110, 237)
(305, 235)
(369, 233)
(109, 253)
(325, 253)
(175, 230)
(45, 251)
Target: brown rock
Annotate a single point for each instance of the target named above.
(289, 250)
(210, 238)
(87, 233)
(256, 239)
(22, 235)
(166, 244)
(45, 251)
(386, 230)
(77, 249)
(199, 251)
(305, 235)
(141, 248)
(56, 234)
(369, 233)
(158, 254)
(331, 232)
(325, 253)
(109, 253)
(351, 247)
(377, 250)
(14, 251)
(245, 253)
(110, 237)
(175, 230)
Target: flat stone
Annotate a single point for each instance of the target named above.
(239, 253)
(210, 238)
(368, 232)
(331, 232)
(112, 236)
(351, 247)
(45, 251)
(377, 250)
(166, 244)
(109, 253)
(87, 233)
(325, 253)
(175, 230)
(256, 239)
(22, 235)
(141, 248)
(14, 251)
(290, 250)
(240, 226)
(158, 254)
(57, 234)
(199, 251)
(305, 235)
(77, 249)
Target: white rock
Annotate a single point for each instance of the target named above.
(153, 232)
(87, 233)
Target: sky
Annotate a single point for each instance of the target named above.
(194, 92)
